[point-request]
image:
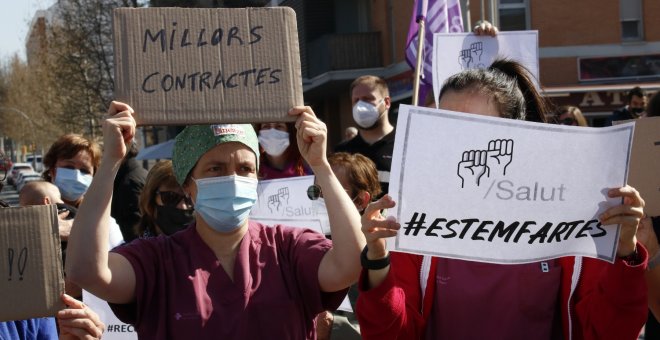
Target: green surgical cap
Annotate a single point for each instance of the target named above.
(195, 140)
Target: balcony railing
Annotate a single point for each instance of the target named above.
(334, 52)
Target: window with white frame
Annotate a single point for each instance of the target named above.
(631, 20)
(513, 15)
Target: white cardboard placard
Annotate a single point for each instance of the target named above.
(541, 201)
(114, 329)
(455, 52)
(284, 201)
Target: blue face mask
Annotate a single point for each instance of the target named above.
(225, 202)
(72, 183)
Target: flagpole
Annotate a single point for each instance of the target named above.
(420, 56)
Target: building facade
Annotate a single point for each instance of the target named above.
(591, 51)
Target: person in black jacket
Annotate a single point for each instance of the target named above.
(635, 105)
(125, 196)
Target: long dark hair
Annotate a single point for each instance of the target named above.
(537, 108)
(511, 87)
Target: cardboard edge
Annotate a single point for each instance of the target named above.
(53, 304)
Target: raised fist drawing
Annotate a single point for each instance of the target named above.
(471, 57)
(500, 155)
(477, 50)
(472, 167)
(274, 203)
(465, 59)
(283, 193)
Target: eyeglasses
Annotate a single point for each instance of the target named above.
(172, 199)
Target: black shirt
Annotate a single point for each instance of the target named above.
(379, 152)
(125, 197)
(622, 114)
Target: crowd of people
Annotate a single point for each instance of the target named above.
(175, 254)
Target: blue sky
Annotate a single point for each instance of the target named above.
(15, 18)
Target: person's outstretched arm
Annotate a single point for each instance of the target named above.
(89, 264)
(340, 266)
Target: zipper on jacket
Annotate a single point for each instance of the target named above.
(424, 272)
(575, 279)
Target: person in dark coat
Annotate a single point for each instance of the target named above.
(125, 196)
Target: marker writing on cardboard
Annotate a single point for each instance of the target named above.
(20, 264)
(234, 36)
(198, 81)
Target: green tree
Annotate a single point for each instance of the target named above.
(80, 58)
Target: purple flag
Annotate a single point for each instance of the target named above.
(442, 16)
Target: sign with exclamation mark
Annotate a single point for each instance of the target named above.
(31, 275)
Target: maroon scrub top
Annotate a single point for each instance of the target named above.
(182, 291)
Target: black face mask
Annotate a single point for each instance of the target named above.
(637, 110)
(170, 220)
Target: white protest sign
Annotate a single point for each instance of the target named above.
(455, 52)
(504, 191)
(114, 329)
(286, 200)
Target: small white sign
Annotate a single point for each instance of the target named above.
(455, 52)
(502, 190)
(285, 201)
(284, 198)
(114, 329)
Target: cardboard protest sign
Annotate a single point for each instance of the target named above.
(455, 52)
(114, 329)
(504, 191)
(198, 66)
(285, 201)
(30, 262)
(645, 163)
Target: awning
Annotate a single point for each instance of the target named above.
(157, 151)
(553, 91)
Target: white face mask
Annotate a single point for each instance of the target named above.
(274, 141)
(366, 114)
(72, 183)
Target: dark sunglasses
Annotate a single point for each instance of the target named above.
(567, 121)
(172, 199)
(314, 192)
